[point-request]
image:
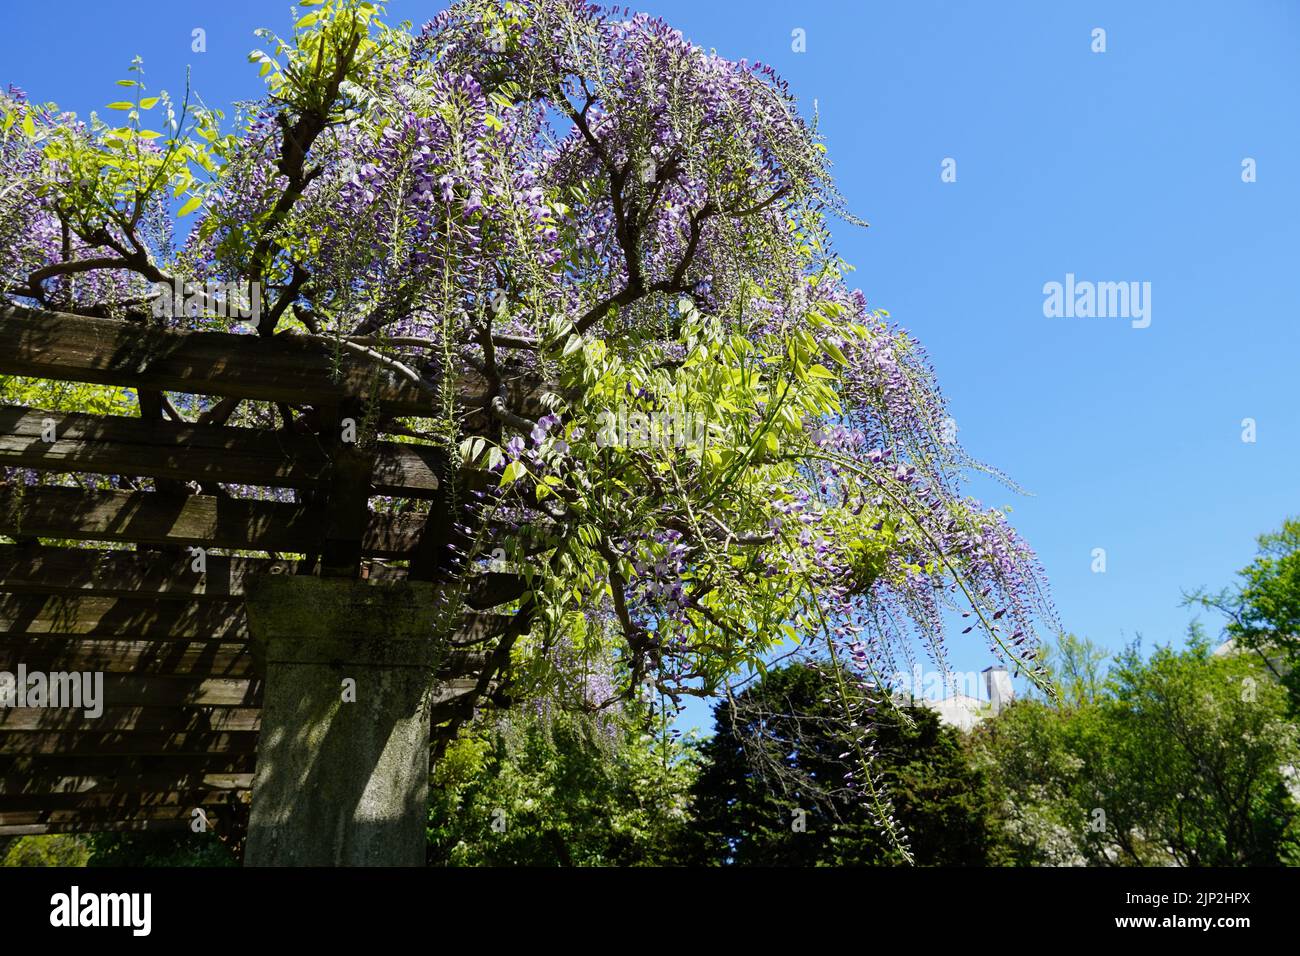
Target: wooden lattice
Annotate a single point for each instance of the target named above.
(179, 729)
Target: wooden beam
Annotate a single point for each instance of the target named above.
(130, 618)
(192, 658)
(166, 658)
(133, 826)
(32, 569)
(144, 517)
(148, 690)
(480, 628)
(154, 448)
(347, 513)
(143, 719)
(86, 742)
(90, 819)
(35, 772)
(139, 690)
(120, 783)
(282, 368)
(91, 572)
(127, 803)
(492, 588)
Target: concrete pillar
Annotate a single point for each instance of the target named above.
(342, 778)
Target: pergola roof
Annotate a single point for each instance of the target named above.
(182, 686)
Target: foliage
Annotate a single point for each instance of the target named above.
(160, 849)
(164, 849)
(56, 849)
(59, 395)
(1182, 760)
(1077, 668)
(772, 792)
(560, 791)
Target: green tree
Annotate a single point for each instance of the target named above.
(1077, 666)
(165, 849)
(559, 790)
(771, 790)
(1183, 760)
(55, 849)
(1032, 769)
(1263, 608)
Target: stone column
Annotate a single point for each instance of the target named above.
(343, 758)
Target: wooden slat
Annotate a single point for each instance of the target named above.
(127, 618)
(92, 572)
(453, 688)
(125, 803)
(480, 628)
(51, 783)
(52, 772)
(141, 690)
(493, 588)
(189, 658)
(88, 820)
(138, 690)
(141, 744)
(132, 826)
(458, 664)
(113, 445)
(283, 368)
(166, 658)
(144, 719)
(143, 517)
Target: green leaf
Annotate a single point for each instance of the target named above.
(834, 352)
(121, 105)
(149, 102)
(190, 206)
(29, 126)
(514, 471)
(471, 449)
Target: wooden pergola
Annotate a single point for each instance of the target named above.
(183, 687)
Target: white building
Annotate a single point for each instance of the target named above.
(963, 711)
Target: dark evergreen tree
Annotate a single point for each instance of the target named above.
(772, 790)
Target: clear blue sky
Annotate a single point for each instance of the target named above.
(1118, 166)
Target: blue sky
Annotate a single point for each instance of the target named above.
(1117, 166)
